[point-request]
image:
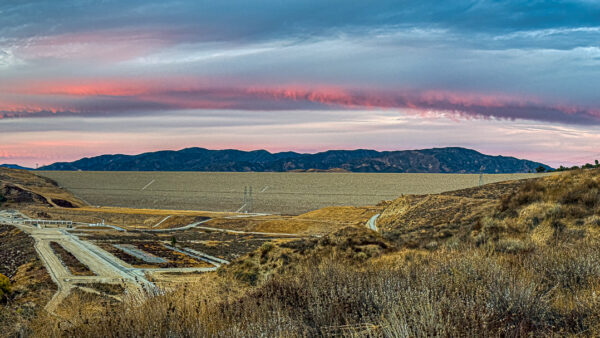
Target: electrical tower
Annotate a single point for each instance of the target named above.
(248, 205)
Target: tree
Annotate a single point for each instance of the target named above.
(597, 164)
(4, 287)
(173, 241)
(540, 169)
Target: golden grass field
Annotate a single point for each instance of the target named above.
(284, 193)
(509, 259)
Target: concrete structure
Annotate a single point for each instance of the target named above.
(42, 223)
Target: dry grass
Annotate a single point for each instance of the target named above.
(31, 288)
(320, 221)
(465, 292)
(123, 217)
(533, 211)
(23, 187)
(509, 260)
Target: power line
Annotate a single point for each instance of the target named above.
(233, 192)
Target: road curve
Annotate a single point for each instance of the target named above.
(372, 223)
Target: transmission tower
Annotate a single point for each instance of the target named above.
(248, 200)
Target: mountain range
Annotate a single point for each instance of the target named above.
(436, 160)
(13, 166)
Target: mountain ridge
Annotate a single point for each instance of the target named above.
(13, 166)
(433, 160)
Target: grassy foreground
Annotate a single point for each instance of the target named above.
(507, 260)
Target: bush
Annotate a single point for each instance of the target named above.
(593, 221)
(566, 267)
(512, 246)
(5, 289)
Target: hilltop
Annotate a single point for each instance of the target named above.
(436, 160)
(21, 187)
(13, 166)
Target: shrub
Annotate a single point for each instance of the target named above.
(566, 267)
(530, 192)
(433, 245)
(5, 289)
(532, 215)
(512, 246)
(593, 221)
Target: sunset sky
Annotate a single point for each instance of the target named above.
(84, 78)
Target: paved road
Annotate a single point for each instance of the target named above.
(189, 226)
(372, 223)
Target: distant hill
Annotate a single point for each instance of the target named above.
(437, 160)
(13, 166)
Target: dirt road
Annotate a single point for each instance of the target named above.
(107, 268)
(372, 223)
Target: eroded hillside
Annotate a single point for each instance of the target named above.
(20, 187)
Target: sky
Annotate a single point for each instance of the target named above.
(89, 77)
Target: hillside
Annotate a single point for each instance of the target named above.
(514, 216)
(516, 259)
(437, 160)
(21, 187)
(13, 166)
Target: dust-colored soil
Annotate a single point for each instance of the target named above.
(16, 249)
(31, 285)
(109, 289)
(125, 257)
(122, 217)
(23, 187)
(282, 193)
(320, 221)
(75, 266)
(176, 259)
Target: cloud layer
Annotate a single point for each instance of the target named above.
(487, 60)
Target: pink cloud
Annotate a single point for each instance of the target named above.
(114, 96)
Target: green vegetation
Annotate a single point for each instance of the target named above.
(5, 288)
(585, 166)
